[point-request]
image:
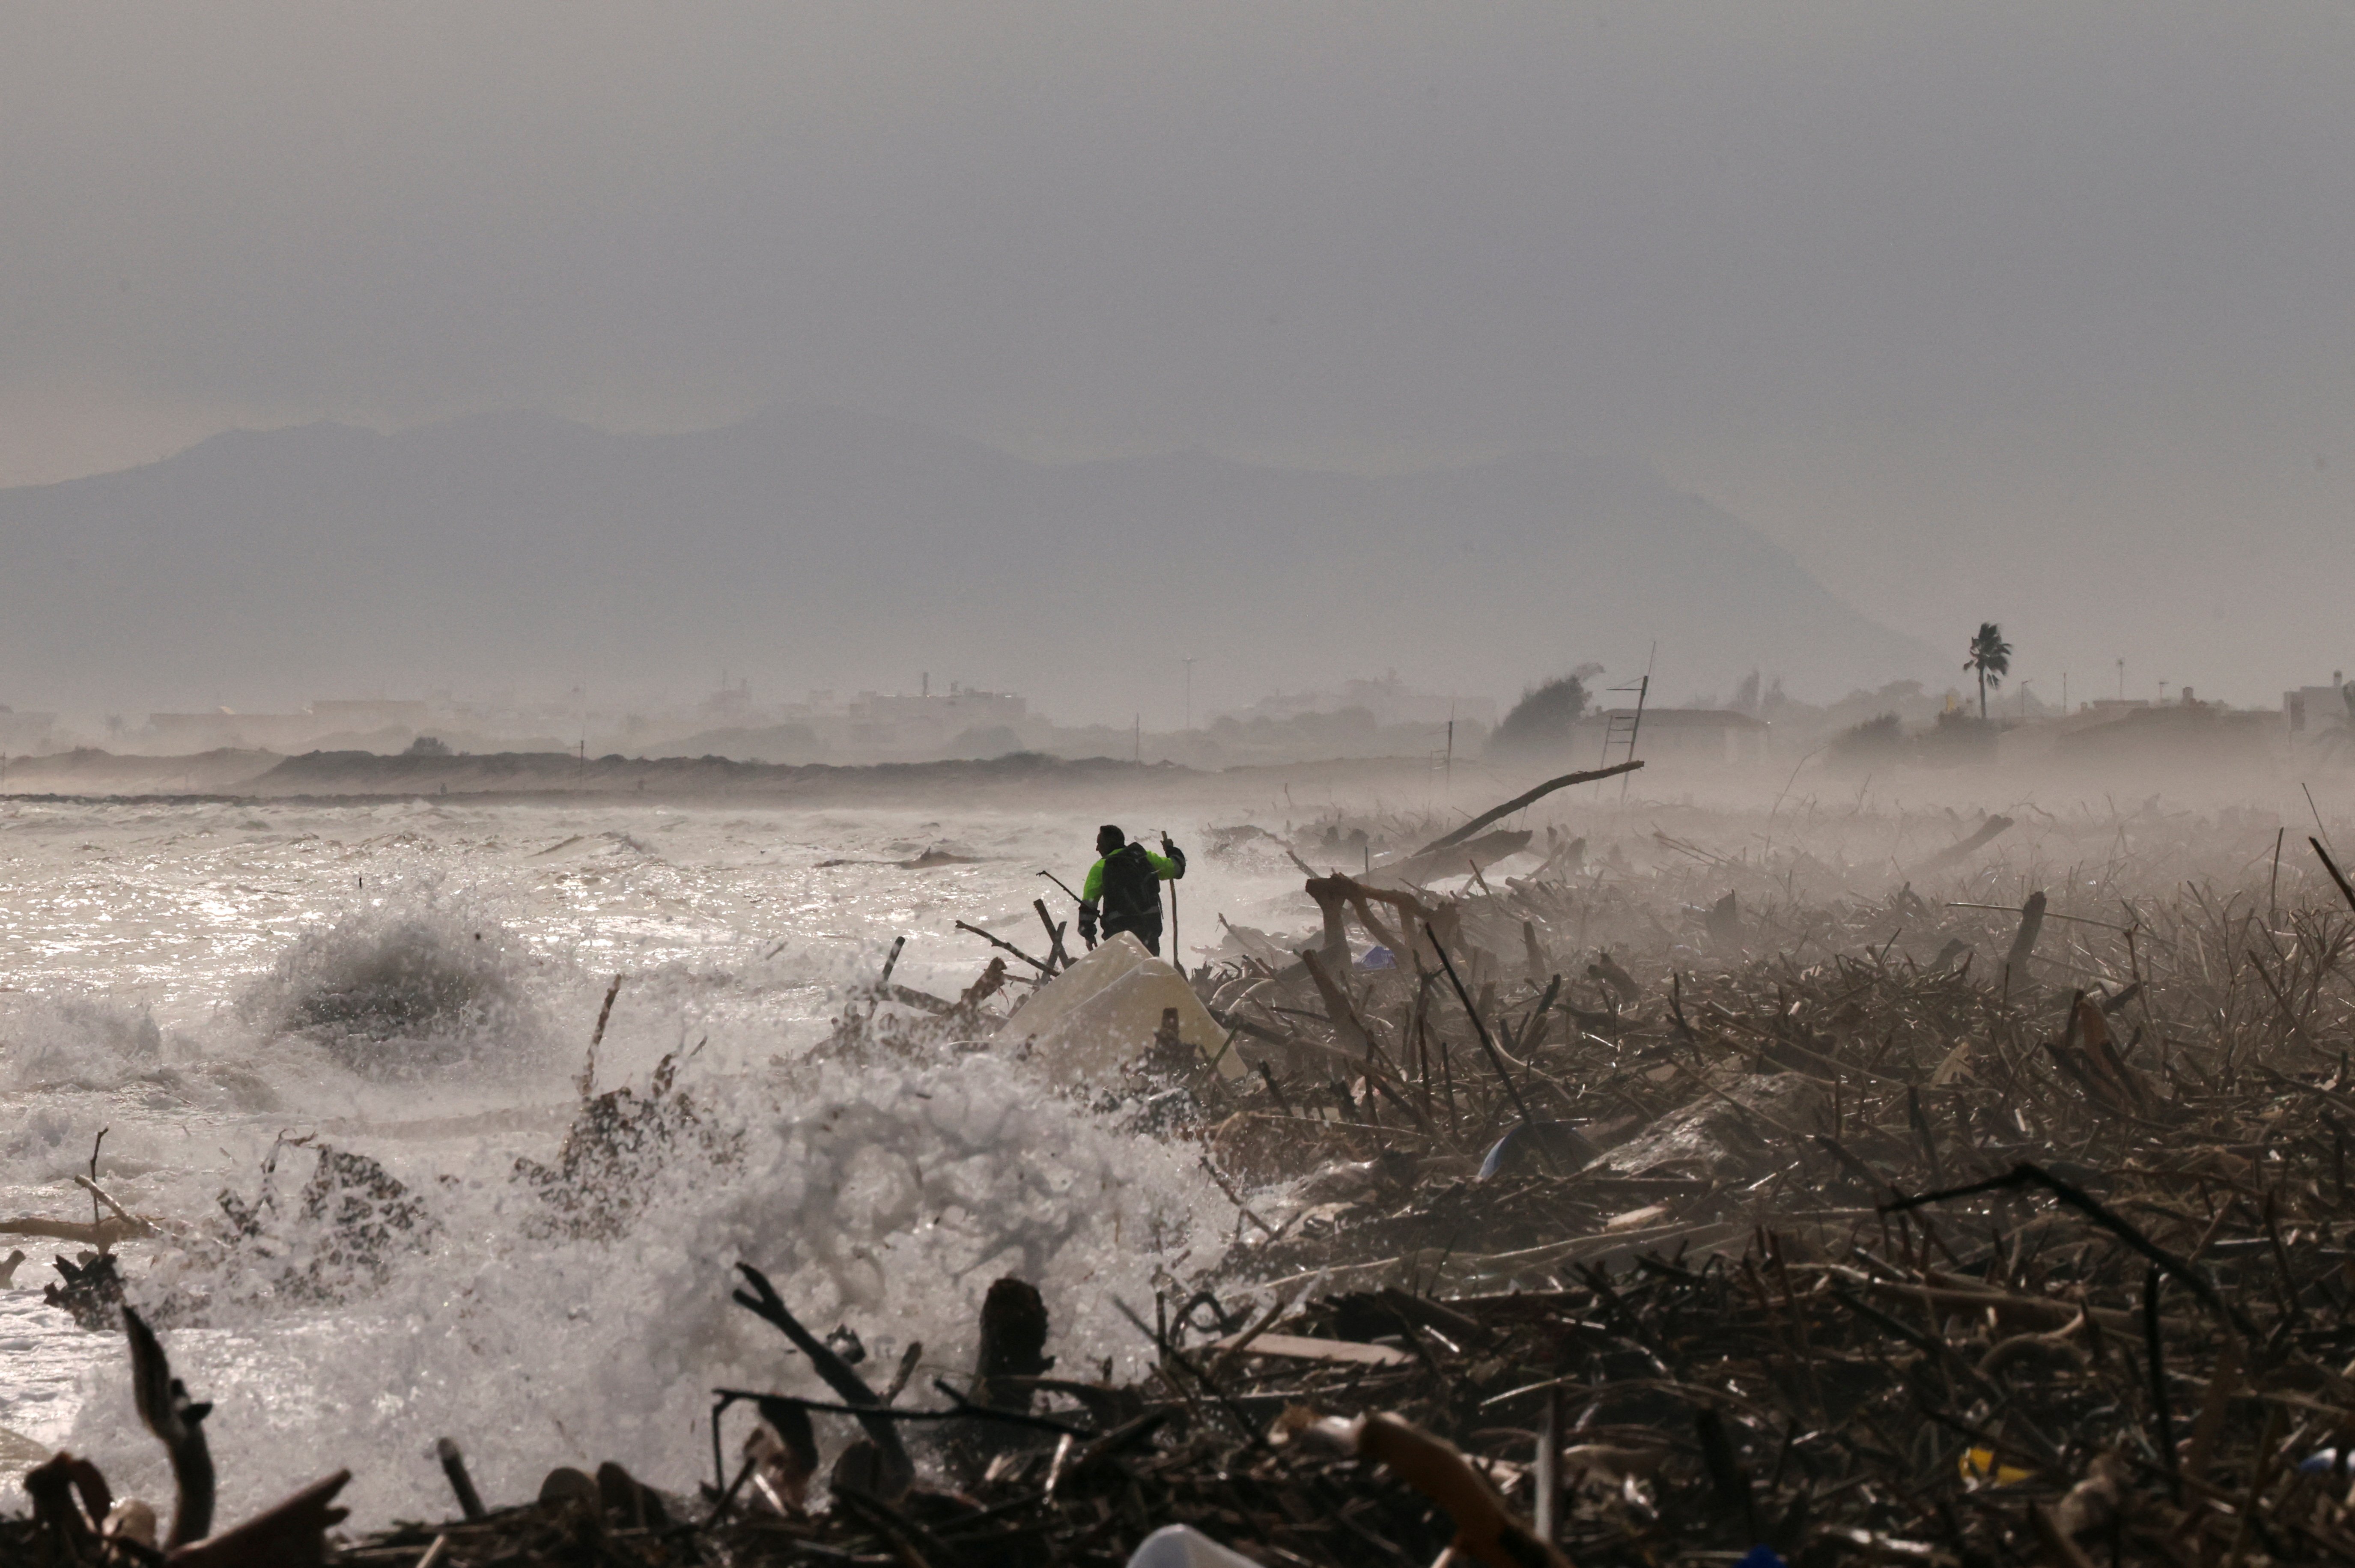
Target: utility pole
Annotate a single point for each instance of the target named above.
(1190, 692)
(1136, 738)
(2121, 680)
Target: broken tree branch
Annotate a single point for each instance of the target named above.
(103, 1235)
(999, 942)
(137, 1226)
(1954, 854)
(1529, 797)
(762, 1301)
(597, 1037)
(2030, 1175)
(1528, 1118)
(1055, 954)
(2346, 890)
(178, 1422)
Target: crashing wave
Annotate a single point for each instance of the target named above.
(400, 989)
(888, 1199)
(77, 1043)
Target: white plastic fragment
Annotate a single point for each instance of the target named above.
(1183, 1546)
(1103, 1012)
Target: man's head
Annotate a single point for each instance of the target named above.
(1109, 838)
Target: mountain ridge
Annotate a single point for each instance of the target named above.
(823, 548)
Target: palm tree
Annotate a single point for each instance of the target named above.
(1991, 657)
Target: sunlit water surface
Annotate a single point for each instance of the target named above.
(173, 974)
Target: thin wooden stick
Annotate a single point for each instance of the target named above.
(2336, 874)
(100, 1195)
(762, 1301)
(1511, 1089)
(2273, 888)
(997, 942)
(1055, 954)
(596, 1038)
(454, 1465)
(93, 1172)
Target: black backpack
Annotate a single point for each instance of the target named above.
(1132, 888)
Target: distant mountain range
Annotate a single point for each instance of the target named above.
(819, 548)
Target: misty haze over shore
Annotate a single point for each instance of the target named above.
(602, 607)
(2025, 313)
(821, 550)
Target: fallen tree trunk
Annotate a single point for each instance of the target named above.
(1453, 860)
(1529, 798)
(1339, 894)
(108, 1232)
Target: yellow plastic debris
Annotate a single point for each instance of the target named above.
(1979, 1464)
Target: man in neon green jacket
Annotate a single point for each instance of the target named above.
(1126, 881)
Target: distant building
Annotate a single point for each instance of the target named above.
(22, 733)
(1390, 700)
(728, 705)
(2312, 712)
(962, 705)
(1716, 735)
(180, 734)
(2184, 730)
(335, 716)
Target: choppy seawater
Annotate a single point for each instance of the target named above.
(173, 974)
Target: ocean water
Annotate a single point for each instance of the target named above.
(218, 987)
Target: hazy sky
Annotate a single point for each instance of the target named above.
(2038, 311)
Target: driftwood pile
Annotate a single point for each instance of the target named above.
(1633, 1215)
(1943, 1245)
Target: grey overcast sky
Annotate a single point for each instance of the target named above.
(2036, 312)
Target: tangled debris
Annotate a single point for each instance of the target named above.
(617, 1142)
(1857, 1228)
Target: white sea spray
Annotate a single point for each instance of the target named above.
(885, 1198)
(163, 956)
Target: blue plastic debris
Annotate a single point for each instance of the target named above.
(1761, 1557)
(2325, 1462)
(1377, 957)
(1517, 1150)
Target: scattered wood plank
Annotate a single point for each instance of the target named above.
(1292, 1347)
